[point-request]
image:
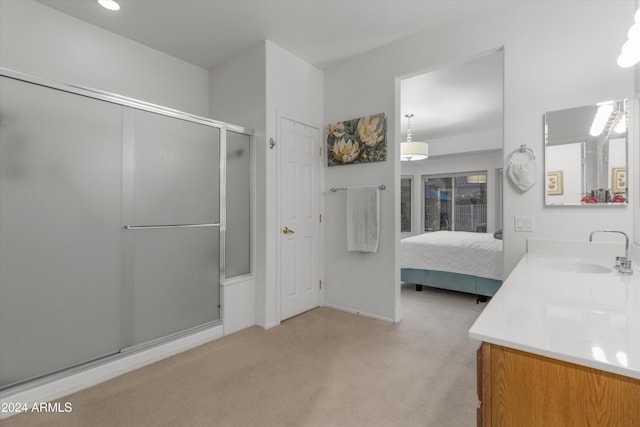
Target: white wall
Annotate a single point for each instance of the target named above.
(354, 281)
(36, 39)
(566, 158)
(617, 158)
(469, 162)
(617, 154)
(547, 67)
(238, 89)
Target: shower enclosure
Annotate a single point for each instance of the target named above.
(112, 225)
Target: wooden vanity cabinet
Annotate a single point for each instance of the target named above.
(517, 388)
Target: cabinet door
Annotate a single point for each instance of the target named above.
(174, 181)
(529, 390)
(60, 230)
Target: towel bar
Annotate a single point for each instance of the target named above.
(334, 189)
(148, 227)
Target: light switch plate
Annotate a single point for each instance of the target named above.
(524, 223)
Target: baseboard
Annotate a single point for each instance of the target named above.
(361, 313)
(77, 381)
(270, 325)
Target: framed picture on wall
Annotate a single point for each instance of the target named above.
(554, 183)
(354, 141)
(618, 180)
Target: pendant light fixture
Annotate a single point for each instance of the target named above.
(412, 150)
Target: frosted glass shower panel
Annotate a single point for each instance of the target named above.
(237, 239)
(176, 281)
(175, 181)
(60, 222)
(177, 171)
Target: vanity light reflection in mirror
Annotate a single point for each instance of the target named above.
(586, 155)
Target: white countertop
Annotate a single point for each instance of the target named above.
(588, 319)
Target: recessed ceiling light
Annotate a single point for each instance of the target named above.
(109, 4)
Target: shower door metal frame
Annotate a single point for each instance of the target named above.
(165, 111)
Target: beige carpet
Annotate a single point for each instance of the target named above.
(322, 368)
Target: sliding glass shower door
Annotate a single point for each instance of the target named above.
(109, 226)
(60, 227)
(172, 212)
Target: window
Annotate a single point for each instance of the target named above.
(456, 202)
(406, 191)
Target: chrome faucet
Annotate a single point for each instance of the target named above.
(623, 264)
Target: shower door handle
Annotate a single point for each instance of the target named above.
(149, 227)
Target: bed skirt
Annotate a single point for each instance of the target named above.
(452, 281)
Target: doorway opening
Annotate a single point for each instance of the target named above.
(454, 196)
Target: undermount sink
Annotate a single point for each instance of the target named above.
(577, 267)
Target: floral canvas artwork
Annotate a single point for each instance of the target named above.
(360, 140)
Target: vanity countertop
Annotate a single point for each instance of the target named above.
(578, 309)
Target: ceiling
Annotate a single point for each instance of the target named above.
(458, 99)
(322, 33)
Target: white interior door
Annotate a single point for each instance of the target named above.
(299, 232)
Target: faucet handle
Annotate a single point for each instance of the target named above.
(625, 266)
(618, 261)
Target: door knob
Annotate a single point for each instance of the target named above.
(287, 230)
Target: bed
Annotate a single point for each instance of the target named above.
(455, 260)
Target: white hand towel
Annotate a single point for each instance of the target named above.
(523, 175)
(363, 224)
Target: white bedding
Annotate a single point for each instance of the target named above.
(476, 254)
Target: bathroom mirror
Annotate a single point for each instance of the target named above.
(585, 155)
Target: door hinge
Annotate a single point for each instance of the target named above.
(321, 218)
(320, 151)
(320, 284)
